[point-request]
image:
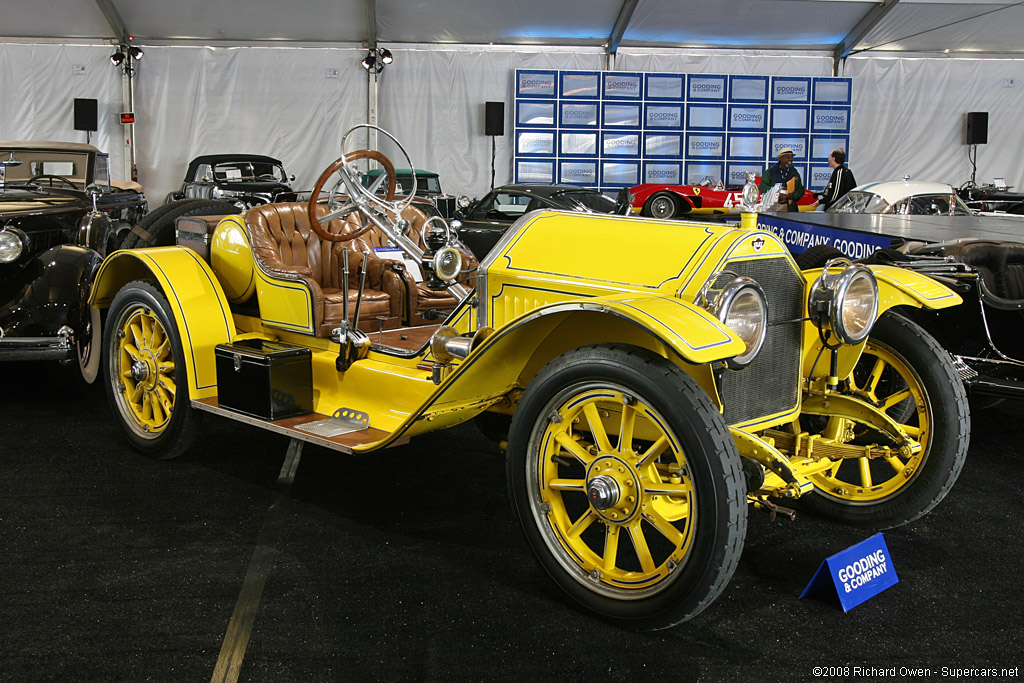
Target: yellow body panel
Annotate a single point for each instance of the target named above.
(200, 309)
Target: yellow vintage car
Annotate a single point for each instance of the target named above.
(651, 380)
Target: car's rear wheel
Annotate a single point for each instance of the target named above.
(145, 373)
(905, 372)
(627, 485)
(661, 205)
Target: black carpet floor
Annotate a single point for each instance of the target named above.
(408, 565)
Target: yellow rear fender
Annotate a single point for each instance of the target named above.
(512, 355)
(200, 308)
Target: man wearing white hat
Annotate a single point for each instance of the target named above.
(784, 173)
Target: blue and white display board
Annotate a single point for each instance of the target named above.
(610, 129)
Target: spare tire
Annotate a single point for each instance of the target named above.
(156, 229)
(817, 256)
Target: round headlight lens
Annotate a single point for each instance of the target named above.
(845, 302)
(859, 306)
(740, 304)
(11, 246)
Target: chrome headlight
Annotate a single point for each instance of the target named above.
(845, 301)
(739, 304)
(12, 244)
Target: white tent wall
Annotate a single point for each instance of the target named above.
(909, 117)
(908, 113)
(39, 85)
(289, 103)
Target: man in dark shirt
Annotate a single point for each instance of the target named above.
(841, 182)
(784, 173)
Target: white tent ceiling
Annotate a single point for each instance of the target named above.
(989, 27)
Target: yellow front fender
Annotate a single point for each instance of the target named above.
(200, 308)
(896, 287)
(901, 286)
(512, 355)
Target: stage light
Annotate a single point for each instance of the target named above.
(117, 58)
(385, 55)
(370, 62)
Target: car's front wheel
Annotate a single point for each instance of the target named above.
(912, 379)
(145, 373)
(627, 485)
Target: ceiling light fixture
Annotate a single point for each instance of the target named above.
(375, 59)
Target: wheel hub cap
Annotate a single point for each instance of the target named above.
(603, 492)
(613, 489)
(140, 371)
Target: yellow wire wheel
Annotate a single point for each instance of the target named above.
(904, 372)
(628, 485)
(145, 377)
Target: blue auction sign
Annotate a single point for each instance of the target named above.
(857, 574)
(800, 237)
(713, 124)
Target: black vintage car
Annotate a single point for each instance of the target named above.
(59, 215)
(245, 180)
(482, 223)
(427, 186)
(992, 198)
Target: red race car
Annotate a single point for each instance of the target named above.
(706, 197)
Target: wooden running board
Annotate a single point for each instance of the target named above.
(289, 427)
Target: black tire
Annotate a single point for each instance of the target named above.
(156, 229)
(664, 205)
(146, 379)
(911, 360)
(705, 511)
(817, 256)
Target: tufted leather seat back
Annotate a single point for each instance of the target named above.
(281, 234)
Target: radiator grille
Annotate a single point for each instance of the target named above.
(771, 384)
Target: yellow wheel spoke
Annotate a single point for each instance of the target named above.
(895, 463)
(655, 488)
(652, 454)
(875, 376)
(643, 553)
(865, 472)
(581, 524)
(832, 471)
(898, 397)
(611, 547)
(135, 392)
(597, 428)
(164, 350)
(626, 428)
(913, 431)
(665, 528)
(573, 446)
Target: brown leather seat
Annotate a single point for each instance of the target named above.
(420, 299)
(286, 247)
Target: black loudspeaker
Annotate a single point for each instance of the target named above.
(977, 128)
(494, 119)
(85, 114)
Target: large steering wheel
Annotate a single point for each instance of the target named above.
(357, 197)
(51, 178)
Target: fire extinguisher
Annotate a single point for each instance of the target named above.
(135, 173)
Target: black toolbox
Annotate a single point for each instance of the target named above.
(265, 379)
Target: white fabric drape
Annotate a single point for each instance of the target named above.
(295, 103)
